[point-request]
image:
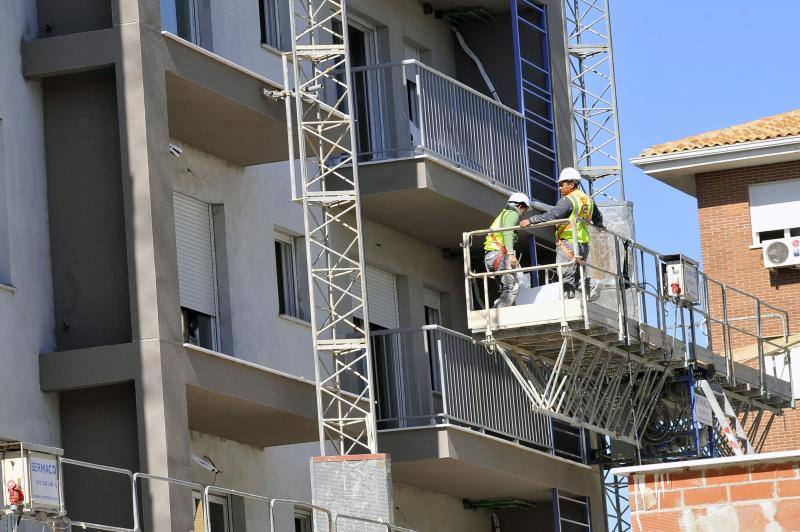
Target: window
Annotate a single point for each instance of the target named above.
(363, 51)
(218, 513)
(275, 29)
(188, 19)
(433, 317)
(5, 258)
(412, 101)
(292, 273)
(197, 282)
(773, 210)
(303, 521)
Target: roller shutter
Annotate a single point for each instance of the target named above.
(195, 246)
(381, 298)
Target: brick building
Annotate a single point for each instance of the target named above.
(746, 179)
(752, 492)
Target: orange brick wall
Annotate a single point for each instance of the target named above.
(746, 497)
(725, 234)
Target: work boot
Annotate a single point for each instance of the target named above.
(569, 293)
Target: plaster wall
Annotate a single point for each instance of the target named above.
(256, 200)
(283, 472)
(275, 472)
(26, 311)
(426, 511)
(237, 34)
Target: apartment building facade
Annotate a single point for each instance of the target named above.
(746, 179)
(152, 266)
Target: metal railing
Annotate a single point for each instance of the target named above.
(406, 109)
(432, 375)
(61, 519)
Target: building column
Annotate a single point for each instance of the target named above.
(155, 316)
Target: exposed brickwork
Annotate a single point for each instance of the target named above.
(762, 496)
(726, 237)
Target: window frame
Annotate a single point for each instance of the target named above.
(223, 501)
(433, 316)
(290, 241)
(754, 231)
(215, 326)
(306, 518)
(270, 17)
(5, 221)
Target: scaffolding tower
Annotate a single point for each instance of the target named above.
(593, 98)
(332, 222)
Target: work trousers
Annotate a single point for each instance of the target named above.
(507, 283)
(570, 273)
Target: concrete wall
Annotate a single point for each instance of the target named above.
(283, 472)
(726, 240)
(256, 200)
(57, 17)
(237, 34)
(87, 220)
(99, 425)
(762, 493)
(26, 311)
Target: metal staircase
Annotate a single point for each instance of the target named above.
(730, 428)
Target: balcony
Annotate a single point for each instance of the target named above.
(447, 409)
(429, 144)
(220, 107)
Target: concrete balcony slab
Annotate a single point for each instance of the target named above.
(469, 465)
(220, 107)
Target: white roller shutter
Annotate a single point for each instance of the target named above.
(194, 239)
(431, 299)
(774, 206)
(381, 298)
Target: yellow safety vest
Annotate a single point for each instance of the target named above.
(581, 215)
(494, 241)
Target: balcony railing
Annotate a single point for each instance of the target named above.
(406, 109)
(431, 376)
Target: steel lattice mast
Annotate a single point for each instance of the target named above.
(590, 70)
(332, 218)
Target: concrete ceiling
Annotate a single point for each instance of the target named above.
(247, 422)
(221, 126)
(494, 6)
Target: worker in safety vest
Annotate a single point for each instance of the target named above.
(579, 208)
(499, 248)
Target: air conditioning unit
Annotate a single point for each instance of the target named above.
(781, 252)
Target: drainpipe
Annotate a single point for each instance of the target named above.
(477, 62)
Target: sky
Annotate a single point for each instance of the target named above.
(689, 66)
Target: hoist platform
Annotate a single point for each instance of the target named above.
(600, 360)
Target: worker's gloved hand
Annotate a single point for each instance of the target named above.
(524, 223)
(512, 261)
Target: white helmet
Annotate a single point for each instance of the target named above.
(519, 197)
(569, 174)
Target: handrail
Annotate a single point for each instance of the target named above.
(437, 116)
(423, 66)
(205, 490)
(466, 389)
